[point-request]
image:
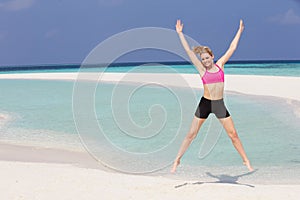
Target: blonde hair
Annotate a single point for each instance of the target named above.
(202, 49)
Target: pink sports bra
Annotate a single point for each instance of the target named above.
(213, 77)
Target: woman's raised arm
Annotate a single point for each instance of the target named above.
(232, 46)
(190, 53)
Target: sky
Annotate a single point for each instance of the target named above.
(65, 31)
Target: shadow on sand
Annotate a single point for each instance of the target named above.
(223, 178)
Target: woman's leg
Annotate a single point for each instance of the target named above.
(196, 124)
(231, 131)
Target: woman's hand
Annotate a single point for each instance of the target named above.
(179, 26)
(242, 25)
(233, 45)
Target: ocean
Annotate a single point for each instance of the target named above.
(268, 67)
(139, 129)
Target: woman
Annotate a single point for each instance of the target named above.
(212, 75)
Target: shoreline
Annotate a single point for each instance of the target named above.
(73, 175)
(46, 173)
(263, 175)
(35, 154)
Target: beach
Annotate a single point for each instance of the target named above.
(30, 172)
(24, 180)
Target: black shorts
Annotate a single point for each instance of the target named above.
(207, 106)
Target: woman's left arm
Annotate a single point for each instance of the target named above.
(232, 47)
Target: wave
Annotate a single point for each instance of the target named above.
(5, 119)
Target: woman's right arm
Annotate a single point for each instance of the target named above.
(190, 53)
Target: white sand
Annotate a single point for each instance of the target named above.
(286, 87)
(57, 181)
(31, 179)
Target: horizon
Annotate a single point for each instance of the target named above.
(136, 63)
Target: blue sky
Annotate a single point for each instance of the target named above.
(65, 31)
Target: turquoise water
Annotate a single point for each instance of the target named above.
(40, 112)
(269, 68)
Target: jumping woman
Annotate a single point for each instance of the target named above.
(212, 75)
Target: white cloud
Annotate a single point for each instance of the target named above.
(290, 17)
(16, 5)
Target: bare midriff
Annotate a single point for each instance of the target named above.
(214, 91)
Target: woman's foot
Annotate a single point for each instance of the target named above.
(248, 165)
(176, 163)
